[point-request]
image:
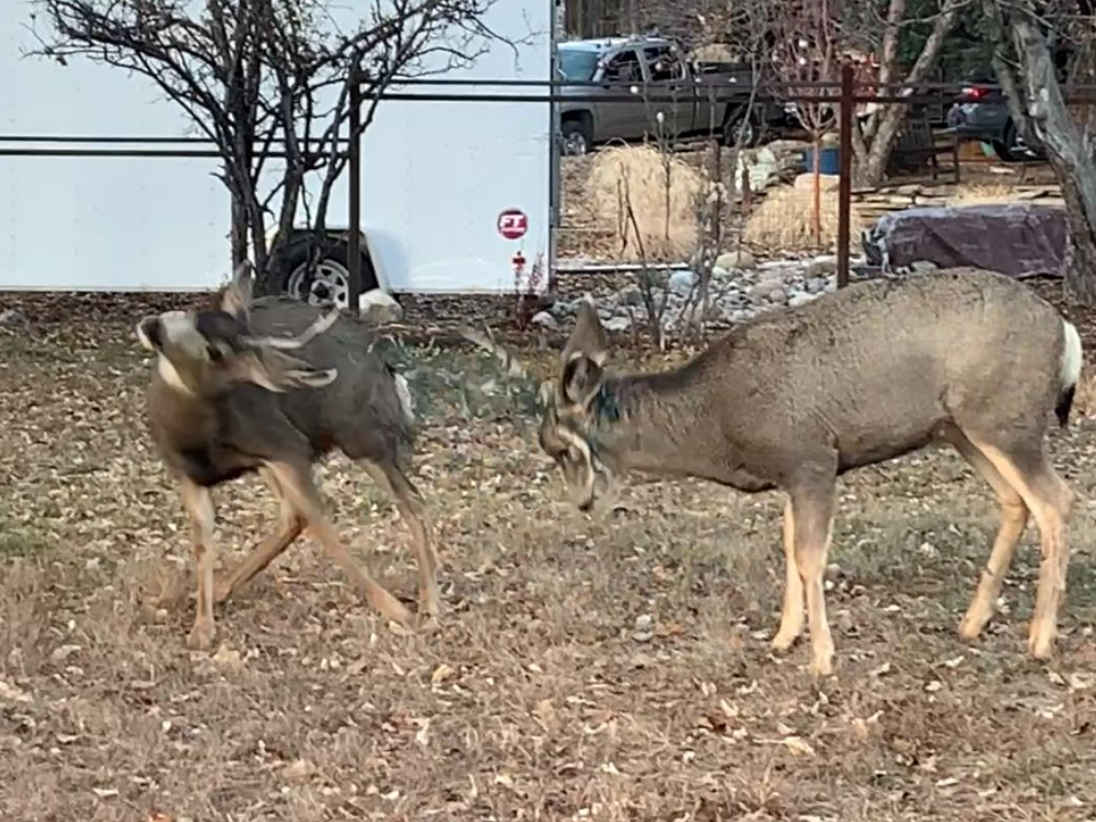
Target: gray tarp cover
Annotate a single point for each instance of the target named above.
(1022, 240)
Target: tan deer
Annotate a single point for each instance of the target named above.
(794, 399)
(228, 399)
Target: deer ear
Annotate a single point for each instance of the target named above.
(581, 379)
(235, 298)
(588, 339)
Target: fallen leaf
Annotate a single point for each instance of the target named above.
(298, 771)
(441, 674)
(882, 670)
(13, 694)
(545, 714)
(799, 746)
(64, 652)
(1079, 681)
(422, 735)
(228, 658)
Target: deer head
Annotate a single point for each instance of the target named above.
(576, 408)
(203, 352)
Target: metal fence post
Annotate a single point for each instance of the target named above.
(844, 191)
(354, 198)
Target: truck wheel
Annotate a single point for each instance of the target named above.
(329, 282)
(744, 121)
(577, 139)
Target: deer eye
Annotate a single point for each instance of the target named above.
(215, 354)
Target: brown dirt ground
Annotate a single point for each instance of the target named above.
(537, 698)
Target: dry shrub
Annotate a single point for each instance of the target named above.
(976, 194)
(664, 192)
(783, 221)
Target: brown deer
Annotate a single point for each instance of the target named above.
(794, 399)
(227, 399)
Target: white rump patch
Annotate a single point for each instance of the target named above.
(407, 402)
(1071, 356)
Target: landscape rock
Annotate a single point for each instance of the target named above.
(378, 307)
(729, 260)
(618, 324)
(766, 290)
(734, 296)
(545, 320)
(682, 282)
(12, 318)
(822, 267)
(630, 295)
(802, 298)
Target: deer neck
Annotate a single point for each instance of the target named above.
(643, 423)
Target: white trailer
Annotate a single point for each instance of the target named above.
(446, 186)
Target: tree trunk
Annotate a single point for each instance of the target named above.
(1080, 273)
(1069, 155)
(816, 202)
(874, 142)
(239, 232)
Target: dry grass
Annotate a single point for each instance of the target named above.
(784, 218)
(982, 194)
(663, 192)
(538, 698)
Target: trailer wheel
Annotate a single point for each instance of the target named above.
(329, 282)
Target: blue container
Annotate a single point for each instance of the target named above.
(830, 160)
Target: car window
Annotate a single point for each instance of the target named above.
(624, 67)
(577, 65)
(663, 64)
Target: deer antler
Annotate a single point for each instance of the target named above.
(318, 327)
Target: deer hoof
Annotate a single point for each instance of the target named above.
(201, 635)
(1041, 644)
(783, 642)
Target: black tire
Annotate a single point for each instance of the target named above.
(733, 124)
(576, 133)
(331, 279)
(1008, 147)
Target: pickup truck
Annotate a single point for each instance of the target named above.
(652, 67)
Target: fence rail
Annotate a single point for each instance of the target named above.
(845, 95)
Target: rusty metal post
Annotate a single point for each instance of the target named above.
(354, 198)
(844, 191)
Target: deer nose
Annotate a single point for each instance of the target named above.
(585, 506)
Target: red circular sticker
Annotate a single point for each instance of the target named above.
(513, 224)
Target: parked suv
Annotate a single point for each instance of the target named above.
(981, 112)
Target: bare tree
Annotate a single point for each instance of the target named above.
(1028, 34)
(270, 81)
(806, 50)
(883, 35)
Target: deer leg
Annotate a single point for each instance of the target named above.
(813, 500)
(1050, 501)
(199, 506)
(290, 525)
(411, 508)
(791, 620)
(1014, 518)
(301, 493)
